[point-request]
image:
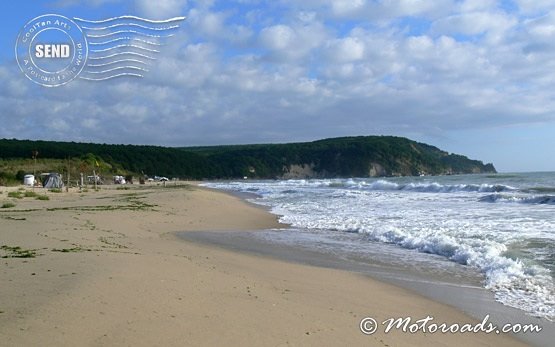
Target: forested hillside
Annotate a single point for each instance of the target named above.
(339, 157)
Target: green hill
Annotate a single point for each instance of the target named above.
(361, 156)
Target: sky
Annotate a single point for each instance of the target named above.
(473, 77)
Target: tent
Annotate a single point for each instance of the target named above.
(53, 180)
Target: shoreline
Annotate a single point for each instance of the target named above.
(110, 270)
(473, 300)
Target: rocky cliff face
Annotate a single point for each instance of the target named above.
(299, 171)
(376, 170)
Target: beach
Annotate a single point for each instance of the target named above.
(109, 270)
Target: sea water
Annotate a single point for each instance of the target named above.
(502, 225)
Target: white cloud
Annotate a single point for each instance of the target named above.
(278, 37)
(376, 11)
(477, 5)
(310, 69)
(346, 50)
(346, 7)
(161, 9)
(475, 23)
(530, 7)
(292, 42)
(210, 24)
(542, 27)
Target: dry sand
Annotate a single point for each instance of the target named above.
(110, 271)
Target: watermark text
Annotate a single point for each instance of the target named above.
(369, 326)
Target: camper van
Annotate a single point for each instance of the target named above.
(119, 180)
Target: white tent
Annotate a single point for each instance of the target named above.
(53, 180)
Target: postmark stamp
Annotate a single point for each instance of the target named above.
(51, 50)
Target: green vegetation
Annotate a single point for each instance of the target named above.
(17, 252)
(16, 195)
(8, 179)
(71, 250)
(29, 194)
(20, 194)
(340, 157)
(7, 205)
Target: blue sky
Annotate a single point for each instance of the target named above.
(471, 77)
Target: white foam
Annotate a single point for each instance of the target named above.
(418, 215)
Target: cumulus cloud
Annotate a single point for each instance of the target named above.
(492, 24)
(346, 7)
(347, 49)
(304, 70)
(535, 7)
(160, 9)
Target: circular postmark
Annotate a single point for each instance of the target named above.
(51, 50)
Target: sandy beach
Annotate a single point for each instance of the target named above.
(109, 270)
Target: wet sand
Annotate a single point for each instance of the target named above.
(463, 291)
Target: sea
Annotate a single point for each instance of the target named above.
(501, 226)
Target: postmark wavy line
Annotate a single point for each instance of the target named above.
(122, 53)
(131, 25)
(129, 32)
(174, 19)
(130, 67)
(118, 62)
(126, 38)
(129, 74)
(124, 46)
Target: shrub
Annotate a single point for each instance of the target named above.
(8, 179)
(16, 195)
(43, 197)
(8, 205)
(30, 194)
(20, 175)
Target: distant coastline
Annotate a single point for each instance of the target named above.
(362, 156)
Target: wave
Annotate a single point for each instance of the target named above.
(514, 282)
(424, 187)
(540, 190)
(464, 231)
(439, 188)
(532, 200)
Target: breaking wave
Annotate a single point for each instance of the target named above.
(455, 226)
(532, 200)
(424, 187)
